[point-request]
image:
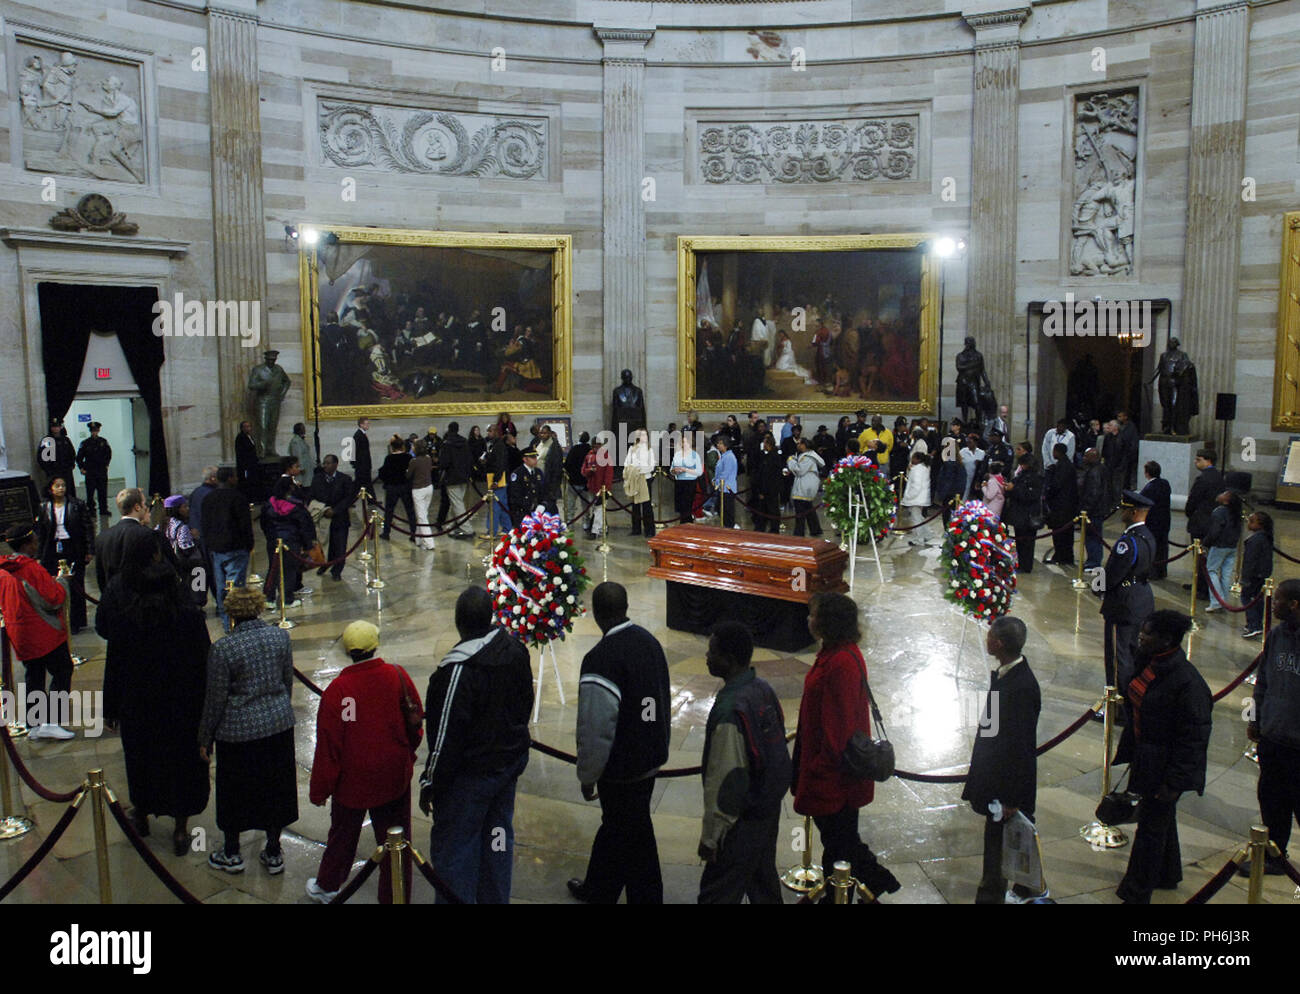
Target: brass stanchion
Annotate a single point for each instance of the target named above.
(1241, 545)
(1196, 577)
(364, 555)
(1258, 847)
(375, 583)
(395, 843)
(805, 875)
(842, 883)
(254, 577)
(65, 571)
(604, 520)
(97, 788)
(1081, 556)
(11, 825)
(1269, 587)
(17, 729)
(285, 623)
(1096, 834)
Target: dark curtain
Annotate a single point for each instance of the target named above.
(68, 312)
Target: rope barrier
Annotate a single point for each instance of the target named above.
(26, 775)
(571, 759)
(306, 682)
(440, 886)
(1290, 559)
(1217, 882)
(146, 854)
(1290, 870)
(923, 521)
(431, 530)
(1224, 604)
(311, 564)
(1048, 534)
(343, 896)
(1236, 682)
(51, 840)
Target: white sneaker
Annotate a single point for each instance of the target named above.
(270, 605)
(303, 592)
(296, 602)
(318, 893)
(48, 731)
(1212, 608)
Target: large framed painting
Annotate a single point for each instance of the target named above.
(1286, 368)
(399, 323)
(824, 323)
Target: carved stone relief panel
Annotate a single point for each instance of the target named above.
(1104, 194)
(80, 112)
(396, 139)
(810, 151)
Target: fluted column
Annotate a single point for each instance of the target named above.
(623, 166)
(991, 269)
(1216, 164)
(239, 228)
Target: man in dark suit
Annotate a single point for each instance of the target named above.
(112, 543)
(361, 465)
(1158, 517)
(1128, 446)
(335, 490)
(245, 455)
(1201, 501)
(1003, 777)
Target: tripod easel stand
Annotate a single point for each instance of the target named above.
(541, 673)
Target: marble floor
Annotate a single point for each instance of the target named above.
(928, 671)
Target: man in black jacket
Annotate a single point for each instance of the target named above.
(1004, 761)
(496, 466)
(1094, 498)
(526, 488)
(1157, 491)
(623, 730)
(362, 467)
(335, 490)
(454, 461)
(1061, 498)
(1165, 742)
(1023, 506)
(93, 458)
(1201, 501)
(476, 712)
(1126, 598)
(228, 534)
(111, 544)
(245, 455)
(551, 458)
(57, 456)
(1128, 449)
(577, 489)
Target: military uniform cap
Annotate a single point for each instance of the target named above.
(1131, 498)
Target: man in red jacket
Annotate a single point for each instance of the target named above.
(367, 730)
(32, 605)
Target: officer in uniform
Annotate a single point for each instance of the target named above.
(1126, 598)
(93, 459)
(526, 488)
(57, 456)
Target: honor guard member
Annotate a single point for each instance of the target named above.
(526, 487)
(57, 456)
(1126, 598)
(93, 459)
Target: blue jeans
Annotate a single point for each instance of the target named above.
(1092, 545)
(228, 566)
(497, 512)
(1219, 563)
(472, 844)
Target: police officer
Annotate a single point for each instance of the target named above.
(93, 458)
(1126, 598)
(526, 489)
(57, 456)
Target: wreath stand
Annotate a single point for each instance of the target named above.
(856, 507)
(541, 673)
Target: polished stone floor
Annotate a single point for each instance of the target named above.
(928, 671)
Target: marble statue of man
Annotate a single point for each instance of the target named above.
(974, 391)
(1176, 383)
(267, 385)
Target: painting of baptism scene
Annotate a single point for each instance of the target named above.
(810, 326)
(428, 324)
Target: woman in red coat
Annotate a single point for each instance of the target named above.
(834, 706)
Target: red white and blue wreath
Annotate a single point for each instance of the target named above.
(536, 580)
(981, 562)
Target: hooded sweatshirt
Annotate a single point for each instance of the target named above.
(1277, 687)
(31, 602)
(477, 709)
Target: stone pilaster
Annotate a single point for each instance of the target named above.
(239, 227)
(1215, 168)
(623, 210)
(991, 269)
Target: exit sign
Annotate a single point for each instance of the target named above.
(103, 373)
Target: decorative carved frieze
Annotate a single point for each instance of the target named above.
(849, 150)
(439, 142)
(1105, 183)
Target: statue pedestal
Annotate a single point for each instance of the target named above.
(1176, 455)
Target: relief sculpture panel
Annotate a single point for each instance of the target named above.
(1105, 183)
(848, 150)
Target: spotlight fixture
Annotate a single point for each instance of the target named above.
(310, 236)
(945, 247)
(291, 232)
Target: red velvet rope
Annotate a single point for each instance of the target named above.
(310, 564)
(146, 854)
(431, 531)
(923, 521)
(440, 886)
(42, 851)
(1239, 677)
(361, 877)
(26, 775)
(306, 682)
(1224, 604)
(1214, 884)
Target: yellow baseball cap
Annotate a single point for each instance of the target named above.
(361, 635)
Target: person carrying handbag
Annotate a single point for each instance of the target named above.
(367, 730)
(836, 704)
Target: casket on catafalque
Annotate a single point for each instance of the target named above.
(762, 580)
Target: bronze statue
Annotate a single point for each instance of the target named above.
(268, 384)
(628, 405)
(974, 391)
(1179, 395)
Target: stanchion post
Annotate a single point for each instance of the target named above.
(395, 843)
(375, 583)
(12, 826)
(1081, 556)
(604, 520)
(254, 577)
(805, 875)
(285, 623)
(97, 789)
(1196, 577)
(1096, 834)
(63, 573)
(841, 882)
(1258, 853)
(364, 555)
(1268, 606)
(16, 728)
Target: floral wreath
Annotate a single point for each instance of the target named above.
(536, 579)
(859, 477)
(981, 562)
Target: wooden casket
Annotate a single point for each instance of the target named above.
(759, 579)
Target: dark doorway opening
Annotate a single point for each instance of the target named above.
(70, 312)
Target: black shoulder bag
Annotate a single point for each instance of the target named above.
(866, 758)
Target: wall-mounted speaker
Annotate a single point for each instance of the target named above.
(1225, 407)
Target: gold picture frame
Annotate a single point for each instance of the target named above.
(560, 247)
(925, 398)
(1286, 372)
